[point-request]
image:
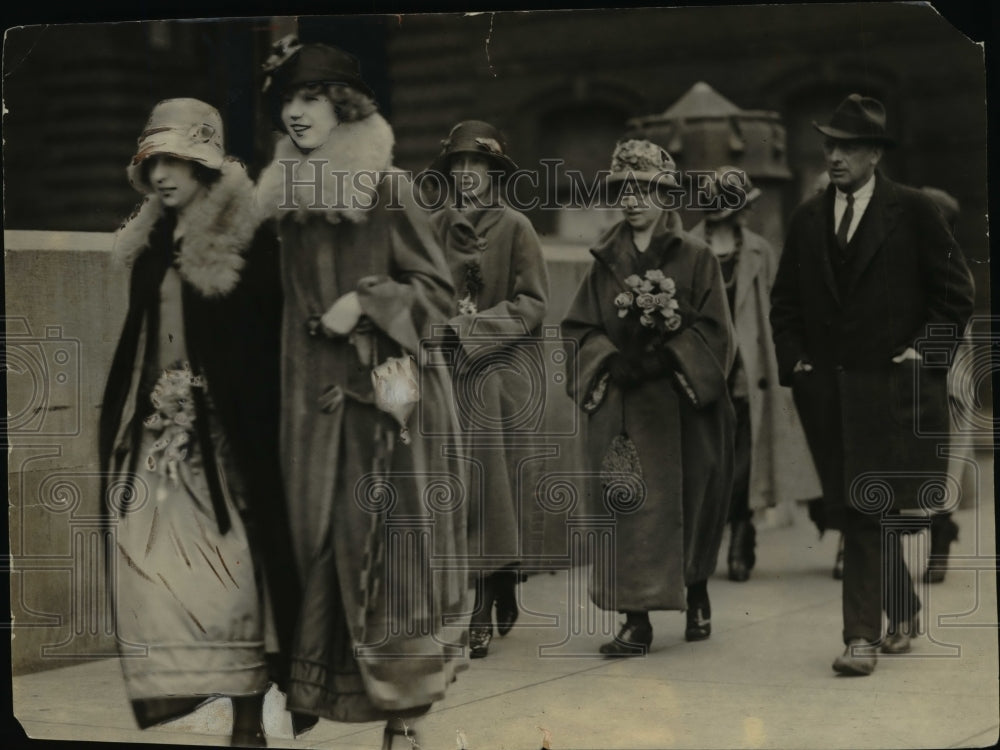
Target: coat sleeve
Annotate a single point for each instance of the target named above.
(948, 282)
(416, 294)
(703, 352)
(525, 309)
(787, 324)
(587, 345)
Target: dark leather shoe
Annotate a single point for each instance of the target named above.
(407, 739)
(699, 624)
(943, 533)
(479, 642)
(858, 659)
(632, 640)
(897, 640)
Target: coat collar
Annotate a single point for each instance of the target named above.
(221, 225)
(470, 233)
(616, 244)
(364, 146)
(747, 266)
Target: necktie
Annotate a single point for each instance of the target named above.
(845, 222)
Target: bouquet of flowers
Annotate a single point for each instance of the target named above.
(473, 286)
(652, 297)
(173, 420)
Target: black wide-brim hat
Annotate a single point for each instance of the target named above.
(858, 118)
(292, 65)
(473, 137)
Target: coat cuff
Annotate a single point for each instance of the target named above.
(697, 372)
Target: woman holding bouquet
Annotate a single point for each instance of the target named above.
(364, 282)
(502, 287)
(653, 345)
(189, 434)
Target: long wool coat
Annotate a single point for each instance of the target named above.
(781, 467)
(873, 426)
(369, 514)
(231, 304)
(496, 261)
(683, 434)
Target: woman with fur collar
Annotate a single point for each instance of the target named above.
(364, 281)
(189, 429)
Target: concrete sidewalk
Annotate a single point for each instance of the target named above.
(763, 679)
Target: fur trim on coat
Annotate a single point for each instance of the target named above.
(362, 147)
(220, 227)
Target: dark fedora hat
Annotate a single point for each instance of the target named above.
(473, 137)
(292, 64)
(857, 118)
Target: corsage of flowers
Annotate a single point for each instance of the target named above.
(652, 297)
(173, 420)
(473, 286)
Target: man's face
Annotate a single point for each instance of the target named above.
(850, 164)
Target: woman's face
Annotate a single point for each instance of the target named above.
(472, 174)
(308, 116)
(641, 210)
(173, 180)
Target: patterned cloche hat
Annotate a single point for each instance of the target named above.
(642, 161)
(184, 128)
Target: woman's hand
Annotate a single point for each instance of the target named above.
(342, 316)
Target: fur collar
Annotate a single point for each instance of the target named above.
(362, 146)
(220, 227)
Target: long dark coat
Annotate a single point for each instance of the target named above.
(353, 488)
(873, 426)
(496, 261)
(231, 302)
(670, 537)
(781, 467)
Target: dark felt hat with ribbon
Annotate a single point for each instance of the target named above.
(473, 137)
(293, 64)
(857, 118)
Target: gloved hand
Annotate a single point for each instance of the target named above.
(622, 371)
(654, 364)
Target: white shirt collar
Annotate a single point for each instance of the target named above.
(862, 194)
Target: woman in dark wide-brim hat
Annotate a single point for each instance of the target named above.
(189, 433)
(650, 346)
(501, 285)
(364, 283)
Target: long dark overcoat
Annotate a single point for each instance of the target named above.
(873, 426)
(669, 535)
(499, 395)
(371, 641)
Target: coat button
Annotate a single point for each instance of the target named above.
(762, 384)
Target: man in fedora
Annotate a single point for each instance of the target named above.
(869, 271)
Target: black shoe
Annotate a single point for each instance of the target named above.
(632, 640)
(897, 640)
(943, 533)
(838, 565)
(742, 541)
(699, 623)
(479, 641)
(506, 601)
(858, 659)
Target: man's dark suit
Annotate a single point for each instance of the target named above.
(873, 426)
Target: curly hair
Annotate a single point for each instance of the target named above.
(349, 104)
